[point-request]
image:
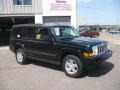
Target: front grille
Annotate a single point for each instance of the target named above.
(102, 48)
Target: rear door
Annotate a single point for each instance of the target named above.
(29, 42)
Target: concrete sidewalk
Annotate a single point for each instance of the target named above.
(111, 38)
(44, 76)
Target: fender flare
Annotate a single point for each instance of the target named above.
(19, 45)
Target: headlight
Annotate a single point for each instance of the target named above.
(95, 50)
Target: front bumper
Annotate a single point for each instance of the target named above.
(91, 62)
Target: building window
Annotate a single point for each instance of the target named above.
(22, 2)
(17, 2)
(27, 2)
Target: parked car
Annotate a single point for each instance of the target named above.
(89, 33)
(61, 45)
(114, 31)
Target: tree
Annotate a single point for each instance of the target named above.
(100, 28)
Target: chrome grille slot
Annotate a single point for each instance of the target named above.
(99, 49)
(102, 48)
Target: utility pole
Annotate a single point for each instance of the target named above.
(118, 25)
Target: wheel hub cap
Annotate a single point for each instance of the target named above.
(19, 57)
(71, 66)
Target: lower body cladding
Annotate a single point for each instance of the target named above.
(91, 62)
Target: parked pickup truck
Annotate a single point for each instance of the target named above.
(89, 33)
(61, 45)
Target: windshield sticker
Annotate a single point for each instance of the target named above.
(38, 36)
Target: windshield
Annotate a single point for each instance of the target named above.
(65, 32)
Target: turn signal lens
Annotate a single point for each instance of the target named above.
(88, 54)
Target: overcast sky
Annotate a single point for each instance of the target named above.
(98, 12)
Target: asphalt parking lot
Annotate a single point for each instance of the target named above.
(43, 76)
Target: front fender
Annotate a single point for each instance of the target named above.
(69, 51)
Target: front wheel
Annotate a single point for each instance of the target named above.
(72, 66)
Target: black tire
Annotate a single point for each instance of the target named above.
(79, 64)
(24, 60)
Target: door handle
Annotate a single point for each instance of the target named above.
(54, 43)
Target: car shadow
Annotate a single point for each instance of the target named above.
(101, 70)
(47, 65)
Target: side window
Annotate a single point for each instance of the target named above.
(30, 32)
(42, 34)
(18, 33)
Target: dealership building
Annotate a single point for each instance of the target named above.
(55, 12)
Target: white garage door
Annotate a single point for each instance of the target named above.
(1, 6)
(57, 20)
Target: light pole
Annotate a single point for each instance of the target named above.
(118, 25)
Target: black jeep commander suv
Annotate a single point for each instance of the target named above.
(59, 45)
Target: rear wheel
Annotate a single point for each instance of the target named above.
(72, 66)
(21, 56)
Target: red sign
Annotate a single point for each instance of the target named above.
(60, 5)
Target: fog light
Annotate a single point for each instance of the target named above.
(88, 54)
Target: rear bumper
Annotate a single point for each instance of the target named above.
(92, 62)
(11, 48)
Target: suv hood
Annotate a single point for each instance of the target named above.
(84, 41)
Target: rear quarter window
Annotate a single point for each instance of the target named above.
(30, 32)
(18, 33)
